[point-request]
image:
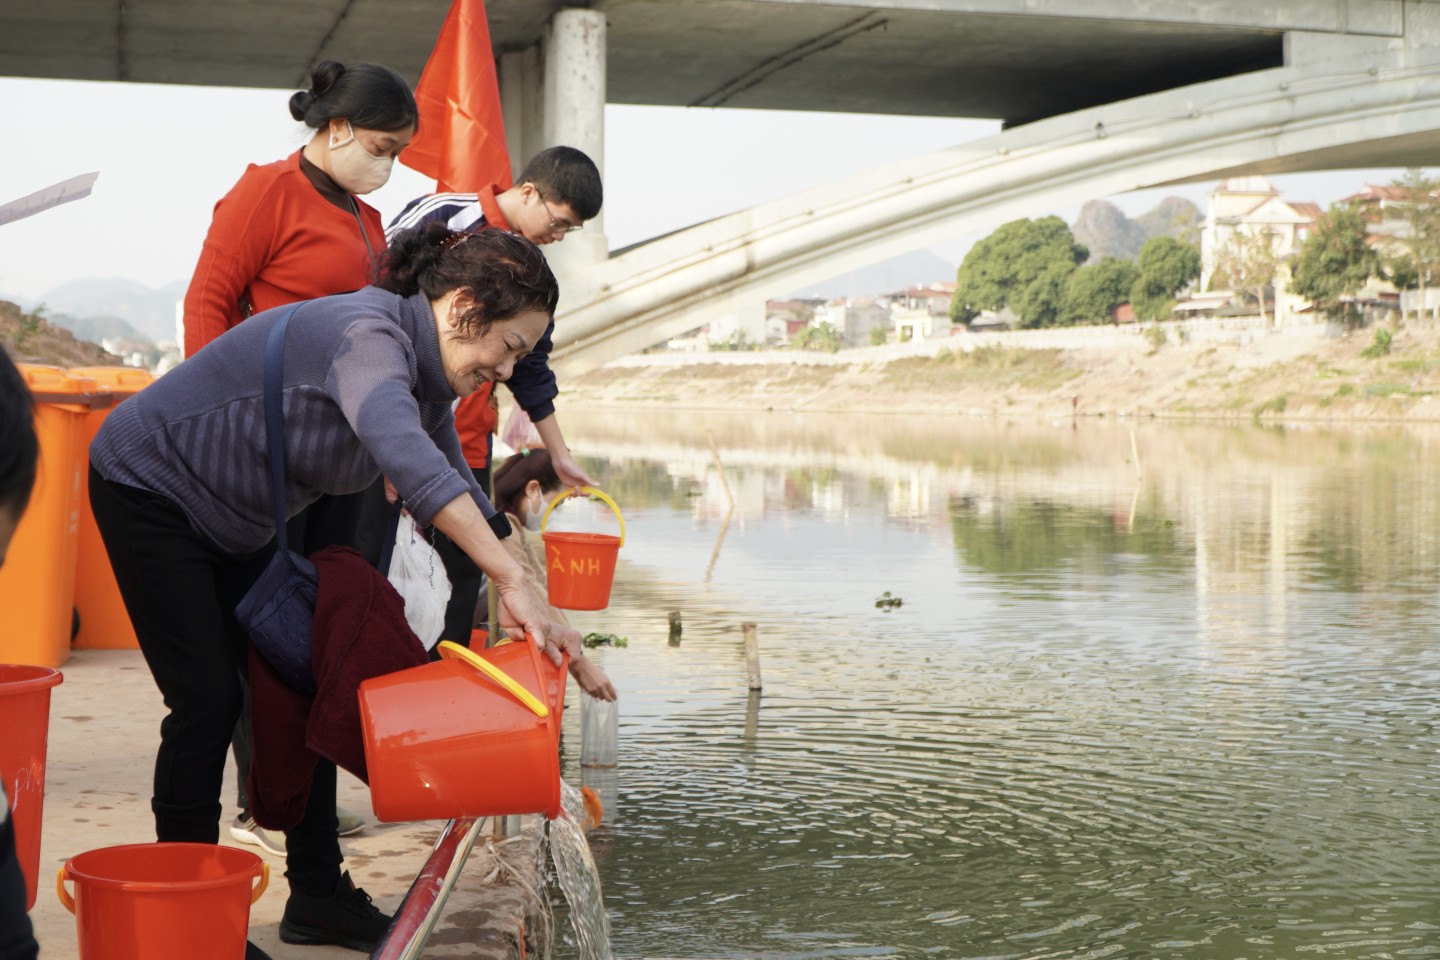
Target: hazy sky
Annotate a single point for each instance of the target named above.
(166, 153)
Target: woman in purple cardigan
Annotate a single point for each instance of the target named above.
(180, 491)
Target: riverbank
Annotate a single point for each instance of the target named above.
(1268, 377)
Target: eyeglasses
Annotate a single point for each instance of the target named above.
(556, 224)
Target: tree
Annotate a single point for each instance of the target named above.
(1417, 218)
(1166, 266)
(822, 336)
(998, 268)
(1093, 292)
(1248, 262)
(1335, 262)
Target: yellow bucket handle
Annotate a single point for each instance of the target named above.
(453, 651)
(594, 492)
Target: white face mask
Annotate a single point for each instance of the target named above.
(356, 169)
(534, 512)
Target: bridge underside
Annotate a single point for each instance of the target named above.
(1002, 59)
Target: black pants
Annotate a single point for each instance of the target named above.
(17, 941)
(180, 590)
(466, 579)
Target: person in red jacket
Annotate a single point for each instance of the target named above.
(294, 230)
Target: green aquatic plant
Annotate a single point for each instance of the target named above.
(604, 640)
(887, 602)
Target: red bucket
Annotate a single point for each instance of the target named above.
(475, 734)
(188, 900)
(25, 720)
(580, 567)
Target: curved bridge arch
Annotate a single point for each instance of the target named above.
(1349, 104)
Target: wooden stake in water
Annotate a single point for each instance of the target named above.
(675, 628)
(752, 655)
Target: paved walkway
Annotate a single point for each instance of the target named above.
(104, 729)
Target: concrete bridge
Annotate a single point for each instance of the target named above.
(1098, 98)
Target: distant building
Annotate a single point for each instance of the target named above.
(854, 318)
(1251, 206)
(921, 313)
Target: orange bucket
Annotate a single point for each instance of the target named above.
(475, 734)
(104, 621)
(25, 720)
(580, 567)
(188, 900)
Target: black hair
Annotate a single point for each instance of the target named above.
(504, 272)
(368, 95)
(19, 447)
(565, 175)
(512, 476)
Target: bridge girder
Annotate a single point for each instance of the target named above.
(1343, 104)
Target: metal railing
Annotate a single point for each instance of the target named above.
(415, 919)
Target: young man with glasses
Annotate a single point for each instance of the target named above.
(555, 194)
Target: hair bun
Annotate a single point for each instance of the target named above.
(299, 103)
(324, 76)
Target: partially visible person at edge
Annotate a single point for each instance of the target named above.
(180, 491)
(524, 483)
(19, 449)
(295, 230)
(558, 190)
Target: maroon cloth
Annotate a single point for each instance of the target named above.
(359, 632)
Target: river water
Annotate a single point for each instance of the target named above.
(1153, 691)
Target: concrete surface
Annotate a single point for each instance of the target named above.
(104, 730)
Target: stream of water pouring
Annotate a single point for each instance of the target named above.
(578, 876)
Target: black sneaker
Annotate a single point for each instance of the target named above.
(346, 918)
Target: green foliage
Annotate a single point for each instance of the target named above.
(736, 341)
(1381, 346)
(998, 269)
(604, 640)
(30, 324)
(1273, 405)
(1039, 302)
(1345, 390)
(887, 603)
(878, 336)
(1335, 261)
(1416, 210)
(1156, 336)
(822, 337)
(1166, 267)
(1248, 262)
(1093, 292)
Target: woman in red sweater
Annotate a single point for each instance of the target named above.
(288, 231)
(295, 229)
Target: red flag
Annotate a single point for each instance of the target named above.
(461, 142)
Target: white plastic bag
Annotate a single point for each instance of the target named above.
(418, 575)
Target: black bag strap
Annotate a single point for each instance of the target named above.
(275, 420)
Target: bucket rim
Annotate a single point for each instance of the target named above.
(39, 678)
(254, 867)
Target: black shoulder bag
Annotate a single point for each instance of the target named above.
(279, 610)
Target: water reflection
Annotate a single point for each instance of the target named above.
(1179, 707)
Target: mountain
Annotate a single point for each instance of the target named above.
(150, 311)
(1107, 232)
(917, 269)
(1173, 217)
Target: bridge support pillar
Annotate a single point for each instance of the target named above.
(574, 115)
(553, 94)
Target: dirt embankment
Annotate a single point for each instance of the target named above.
(1274, 377)
(28, 338)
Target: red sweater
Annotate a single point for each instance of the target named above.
(275, 240)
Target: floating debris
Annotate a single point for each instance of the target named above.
(605, 640)
(887, 602)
